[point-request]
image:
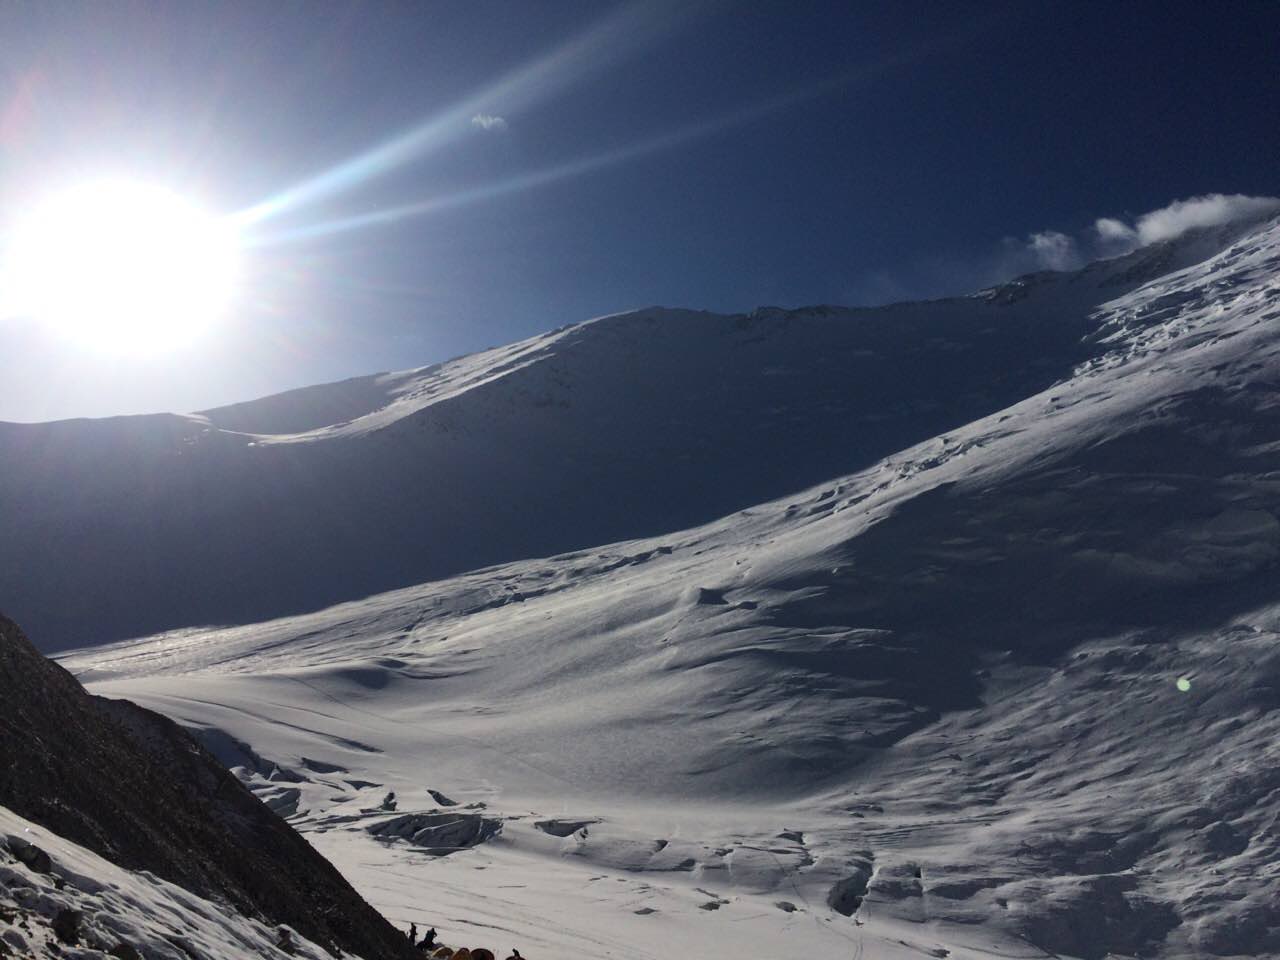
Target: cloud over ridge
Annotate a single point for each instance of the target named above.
(1210, 210)
(1114, 237)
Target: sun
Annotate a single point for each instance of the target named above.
(121, 266)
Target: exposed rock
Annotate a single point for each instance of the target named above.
(133, 787)
(29, 855)
(66, 926)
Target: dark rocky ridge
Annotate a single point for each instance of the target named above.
(131, 786)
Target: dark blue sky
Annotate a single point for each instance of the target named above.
(722, 156)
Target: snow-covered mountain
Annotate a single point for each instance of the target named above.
(1003, 682)
(627, 426)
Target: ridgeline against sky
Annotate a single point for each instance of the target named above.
(411, 183)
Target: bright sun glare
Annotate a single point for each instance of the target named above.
(121, 266)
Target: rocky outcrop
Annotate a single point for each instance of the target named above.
(131, 786)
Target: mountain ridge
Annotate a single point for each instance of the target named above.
(625, 426)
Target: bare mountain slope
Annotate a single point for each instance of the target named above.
(627, 426)
(132, 787)
(1010, 690)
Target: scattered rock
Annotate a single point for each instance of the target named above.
(29, 855)
(66, 926)
(1222, 839)
(282, 801)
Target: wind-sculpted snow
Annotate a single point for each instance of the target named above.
(1009, 690)
(628, 426)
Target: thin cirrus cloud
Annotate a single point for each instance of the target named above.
(1113, 236)
(487, 121)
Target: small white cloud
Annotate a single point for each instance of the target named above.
(486, 121)
(1212, 210)
(1114, 237)
(1111, 230)
(1053, 250)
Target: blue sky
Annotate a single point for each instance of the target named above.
(419, 180)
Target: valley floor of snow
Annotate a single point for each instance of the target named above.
(529, 858)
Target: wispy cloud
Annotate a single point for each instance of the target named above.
(1114, 236)
(487, 121)
(944, 274)
(1045, 250)
(1168, 223)
(1054, 250)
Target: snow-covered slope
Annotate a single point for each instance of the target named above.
(627, 426)
(1009, 689)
